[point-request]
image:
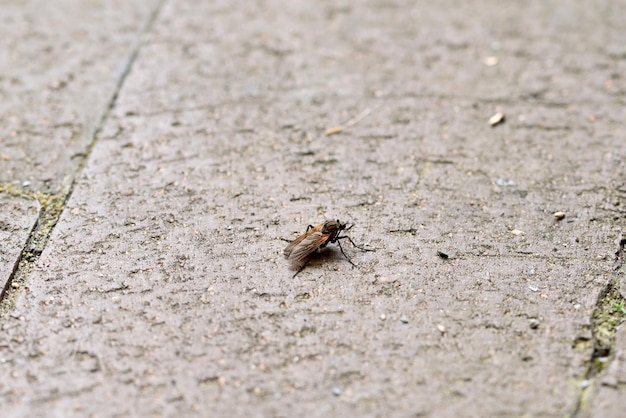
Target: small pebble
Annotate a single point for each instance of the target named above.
(404, 320)
(505, 182)
(443, 255)
(559, 215)
(26, 183)
(491, 61)
(383, 317)
(517, 232)
(534, 324)
(497, 119)
(441, 328)
(336, 391)
(533, 287)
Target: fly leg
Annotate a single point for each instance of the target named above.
(300, 269)
(352, 242)
(344, 254)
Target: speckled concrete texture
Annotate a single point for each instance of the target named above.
(162, 290)
(17, 219)
(61, 63)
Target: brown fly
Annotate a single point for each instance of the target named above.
(317, 237)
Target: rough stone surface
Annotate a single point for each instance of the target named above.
(60, 65)
(17, 218)
(163, 290)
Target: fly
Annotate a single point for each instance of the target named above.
(317, 237)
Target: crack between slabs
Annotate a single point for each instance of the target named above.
(608, 315)
(52, 206)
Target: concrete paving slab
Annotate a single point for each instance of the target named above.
(17, 219)
(163, 290)
(61, 63)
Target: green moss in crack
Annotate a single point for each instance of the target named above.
(51, 208)
(609, 314)
(584, 398)
(51, 205)
(11, 190)
(582, 344)
(620, 307)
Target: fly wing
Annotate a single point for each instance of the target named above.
(306, 246)
(289, 248)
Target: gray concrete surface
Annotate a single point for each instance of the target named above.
(17, 219)
(162, 291)
(61, 63)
